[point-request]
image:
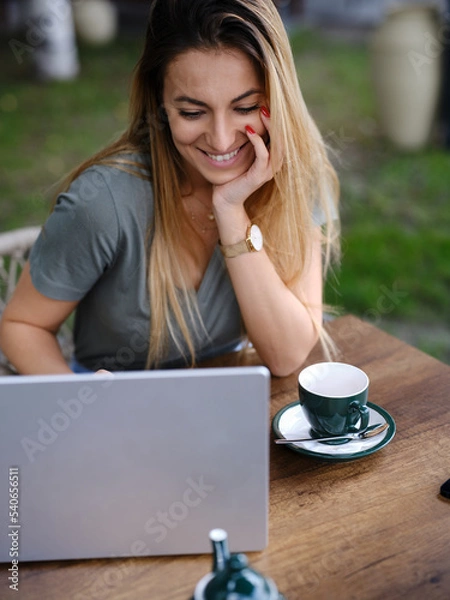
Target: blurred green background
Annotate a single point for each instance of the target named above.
(395, 268)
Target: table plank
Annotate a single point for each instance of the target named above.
(366, 529)
(387, 529)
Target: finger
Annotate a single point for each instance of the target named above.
(103, 372)
(262, 155)
(276, 159)
(265, 117)
(267, 163)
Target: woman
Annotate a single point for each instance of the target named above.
(212, 215)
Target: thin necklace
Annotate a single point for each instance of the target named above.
(199, 222)
(200, 225)
(210, 215)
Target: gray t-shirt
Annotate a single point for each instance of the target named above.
(93, 249)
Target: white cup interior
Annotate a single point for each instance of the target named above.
(333, 379)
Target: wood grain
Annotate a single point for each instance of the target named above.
(373, 528)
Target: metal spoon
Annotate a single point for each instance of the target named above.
(362, 435)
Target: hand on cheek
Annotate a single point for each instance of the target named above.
(261, 169)
(260, 134)
(261, 125)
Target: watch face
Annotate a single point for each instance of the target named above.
(256, 237)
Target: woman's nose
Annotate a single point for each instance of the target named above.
(222, 135)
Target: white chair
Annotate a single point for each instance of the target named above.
(14, 248)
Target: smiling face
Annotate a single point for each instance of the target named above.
(210, 96)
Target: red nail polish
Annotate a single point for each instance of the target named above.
(265, 112)
(249, 129)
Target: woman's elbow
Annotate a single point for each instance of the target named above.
(284, 363)
(2, 331)
(280, 370)
(285, 367)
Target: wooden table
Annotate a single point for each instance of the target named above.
(373, 528)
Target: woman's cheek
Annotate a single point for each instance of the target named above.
(182, 131)
(258, 125)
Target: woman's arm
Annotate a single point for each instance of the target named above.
(277, 322)
(28, 329)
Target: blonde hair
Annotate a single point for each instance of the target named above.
(283, 207)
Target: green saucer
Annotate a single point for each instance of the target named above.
(290, 422)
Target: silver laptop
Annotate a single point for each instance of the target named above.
(134, 464)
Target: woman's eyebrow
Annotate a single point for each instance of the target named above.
(190, 100)
(251, 92)
(200, 103)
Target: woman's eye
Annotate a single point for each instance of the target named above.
(190, 115)
(247, 109)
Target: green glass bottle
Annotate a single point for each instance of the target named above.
(231, 577)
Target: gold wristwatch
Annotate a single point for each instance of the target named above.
(253, 243)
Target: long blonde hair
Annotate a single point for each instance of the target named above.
(283, 207)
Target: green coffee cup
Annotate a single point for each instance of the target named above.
(333, 397)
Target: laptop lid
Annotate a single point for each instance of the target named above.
(139, 463)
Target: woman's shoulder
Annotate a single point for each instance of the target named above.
(123, 180)
(133, 164)
(124, 169)
(108, 197)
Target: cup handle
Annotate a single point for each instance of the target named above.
(364, 414)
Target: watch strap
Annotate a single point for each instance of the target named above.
(234, 249)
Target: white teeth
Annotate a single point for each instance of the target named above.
(222, 157)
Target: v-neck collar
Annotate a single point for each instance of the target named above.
(215, 260)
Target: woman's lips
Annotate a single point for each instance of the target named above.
(224, 160)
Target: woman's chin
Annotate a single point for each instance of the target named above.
(222, 176)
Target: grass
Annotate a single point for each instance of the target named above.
(394, 205)
(46, 129)
(395, 212)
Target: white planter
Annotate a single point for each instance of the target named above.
(406, 74)
(95, 21)
(50, 36)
